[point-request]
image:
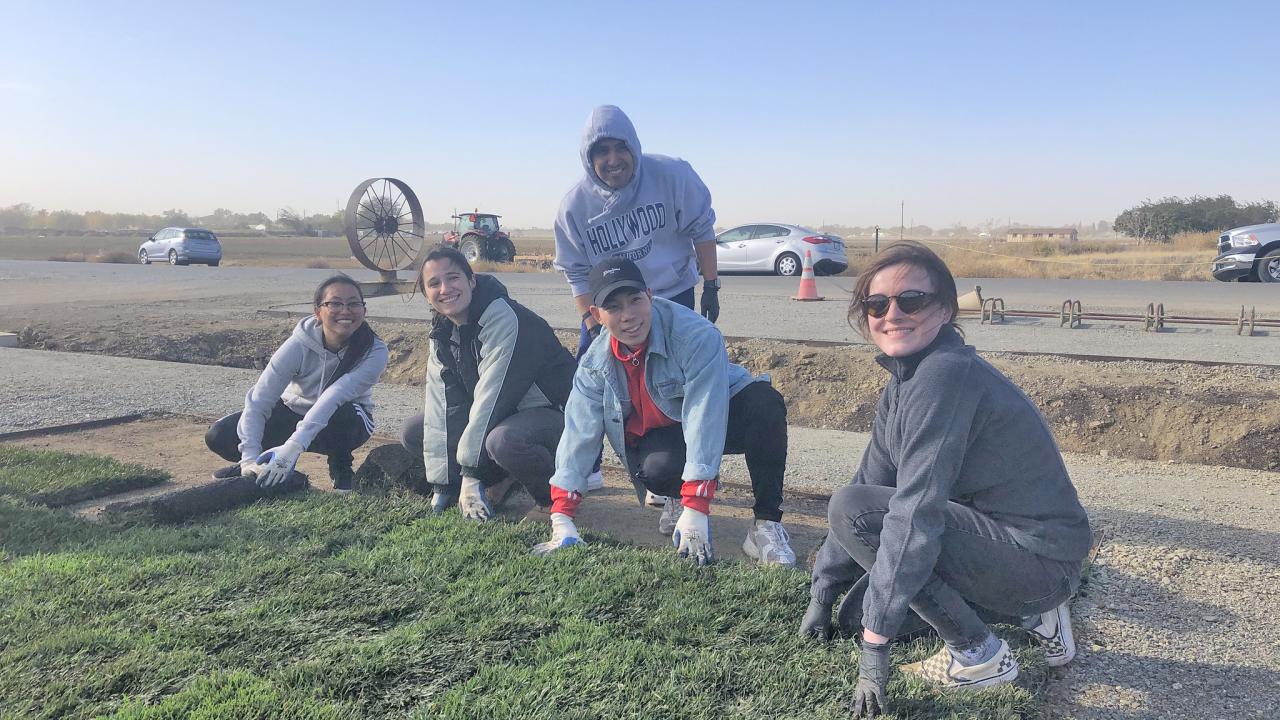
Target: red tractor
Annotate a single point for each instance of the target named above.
(478, 237)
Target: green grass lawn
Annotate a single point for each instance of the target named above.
(55, 478)
(328, 607)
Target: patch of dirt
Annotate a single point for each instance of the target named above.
(1218, 415)
(176, 444)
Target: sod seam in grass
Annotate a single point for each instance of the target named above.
(52, 478)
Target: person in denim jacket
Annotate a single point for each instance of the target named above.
(659, 385)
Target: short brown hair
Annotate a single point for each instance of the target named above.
(905, 252)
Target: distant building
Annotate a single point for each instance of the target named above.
(1031, 234)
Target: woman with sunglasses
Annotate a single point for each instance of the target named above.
(313, 395)
(961, 503)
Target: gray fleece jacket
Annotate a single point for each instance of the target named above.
(297, 374)
(654, 221)
(950, 427)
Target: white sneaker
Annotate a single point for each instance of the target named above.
(943, 670)
(595, 481)
(1054, 635)
(769, 544)
(656, 501)
(671, 510)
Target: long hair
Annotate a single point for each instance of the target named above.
(361, 341)
(915, 254)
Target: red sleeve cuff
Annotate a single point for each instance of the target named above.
(697, 494)
(564, 502)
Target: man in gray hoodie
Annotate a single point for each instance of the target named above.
(653, 210)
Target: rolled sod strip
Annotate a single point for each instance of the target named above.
(215, 496)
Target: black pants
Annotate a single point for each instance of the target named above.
(348, 429)
(980, 565)
(757, 428)
(522, 446)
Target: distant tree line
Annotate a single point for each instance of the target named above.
(1159, 221)
(23, 217)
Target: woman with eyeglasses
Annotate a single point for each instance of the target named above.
(961, 504)
(315, 394)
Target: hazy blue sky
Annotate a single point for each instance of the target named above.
(1043, 112)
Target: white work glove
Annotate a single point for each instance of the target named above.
(251, 469)
(276, 464)
(563, 534)
(692, 536)
(473, 502)
(442, 499)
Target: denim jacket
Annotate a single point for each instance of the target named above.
(689, 377)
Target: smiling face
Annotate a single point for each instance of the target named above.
(448, 288)
(898, 334)
(627, 314)
(341, 312)
(613, 162)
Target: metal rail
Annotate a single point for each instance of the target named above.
(1072, 314)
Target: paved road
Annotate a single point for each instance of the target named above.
(754, 306)
(124, 281)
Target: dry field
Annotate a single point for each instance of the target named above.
(1188, 257)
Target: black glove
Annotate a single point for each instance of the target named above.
(873, 675)
(710, 302)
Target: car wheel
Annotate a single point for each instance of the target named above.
(213, 264)
(142, 257)
(173, 257)
(1269, 267)
(787, 265)
(470, 249)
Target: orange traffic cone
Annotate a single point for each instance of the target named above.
(808, 287)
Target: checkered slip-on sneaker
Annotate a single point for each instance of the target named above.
(1054, 635)
(942, 670)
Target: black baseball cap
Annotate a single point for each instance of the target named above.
(611, 275)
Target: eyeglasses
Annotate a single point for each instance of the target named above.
(910, 302)
(336, 305)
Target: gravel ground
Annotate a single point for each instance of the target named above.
(1177, 619)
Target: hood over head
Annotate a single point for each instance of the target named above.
(608, 121)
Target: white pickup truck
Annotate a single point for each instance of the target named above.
(1249, 254)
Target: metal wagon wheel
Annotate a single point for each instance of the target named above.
(384, 225)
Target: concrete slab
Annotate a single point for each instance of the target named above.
(8, 339)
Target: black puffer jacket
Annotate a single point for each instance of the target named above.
(504, 359)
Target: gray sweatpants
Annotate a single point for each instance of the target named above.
(523, 445)
(979, 565)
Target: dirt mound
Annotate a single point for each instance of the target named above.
(1227, 415)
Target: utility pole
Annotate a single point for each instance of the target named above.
(902, 214)
(877, 239)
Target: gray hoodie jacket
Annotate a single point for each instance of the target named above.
(654, 221)
(949, 427)
(296, 374)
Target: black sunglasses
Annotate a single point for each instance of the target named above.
(910, 302)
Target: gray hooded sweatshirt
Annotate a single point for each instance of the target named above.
(654, 221)
(297, 374)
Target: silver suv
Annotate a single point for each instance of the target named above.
(182, 246)
(1249, 254)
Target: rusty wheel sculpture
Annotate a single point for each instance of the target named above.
(384, 225)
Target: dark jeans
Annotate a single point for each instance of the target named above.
(979, 563)
(348, 428)
(757, 428)
(522, 446)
